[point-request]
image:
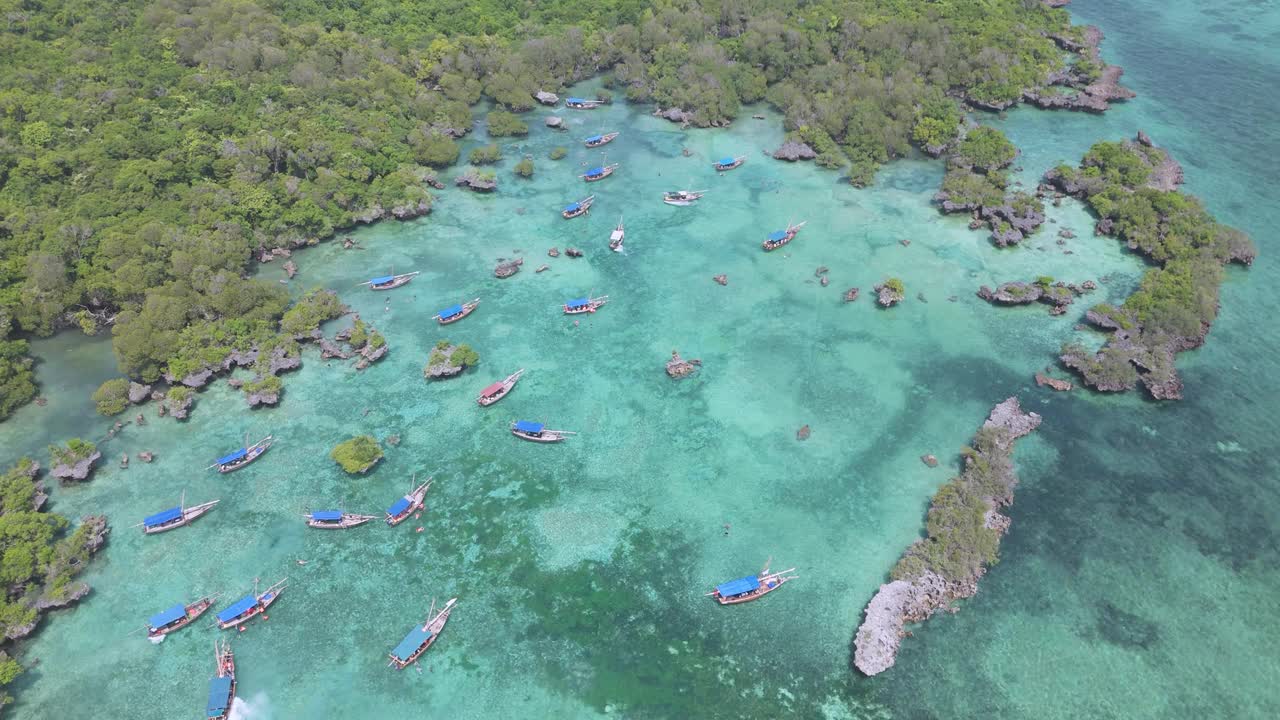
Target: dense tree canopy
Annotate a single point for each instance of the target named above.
(149, 148)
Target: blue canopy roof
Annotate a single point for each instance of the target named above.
(595, 138)
(451, 311)
(777, 235)
(233, 456)
(411, 642)
(173, 614)
(572, 207)
(577, 303)
(739, 586)
(727, 161)
(235, 611)
(596, 171)
(400, 506)
(326, 515)
(382, 280)
(529, 427)
(574, 100)
(162, 517)
(219, 696)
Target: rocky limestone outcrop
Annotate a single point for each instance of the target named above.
(1053, 383)
(139, 393)
(1057, 295)
(176, 408)
(554, 122)
(851, 294)
(546, 98)
(474, 180)
(793, 150)
(78, 469)
(507, 268)
(887, 296)
(927, 590)
(678, 367)
(674, 115)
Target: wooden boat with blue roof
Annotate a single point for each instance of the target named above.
(336, 519)
(401, 509)
(390, 282)
(174, 517)
(454, 313)
(245, 455)
(682, 198)
(537, 432)
(582, 103)
(582, 207)
(778, 238)
(420, 639)
(729, 163)
(599, 173)
(581, 305)
(250, 606)
(751, 587)
(498, 390)
(178, 617)
(222, 689)
(598, 140)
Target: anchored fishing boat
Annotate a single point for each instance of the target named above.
(336, 519)
(598, 140)
(582, 103)
(682, 198)
(250, 606)
(498, 390)
(245, 455)
(537, 432)
(174, 517)
(408, 505)
(615, 237)
(599, 173)
(751, 587)
(584, 305)
(729, 163)
(390, 282)
(582, 207)
(178, 617)
(455, 313)
(421, 638)
(778, 238)
(222, 689)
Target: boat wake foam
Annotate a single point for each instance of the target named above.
(256, 708)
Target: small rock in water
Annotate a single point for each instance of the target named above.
(851, 294)
(822, 270)
(824, 281)
(929, 460)
(722, 279)
(803, 433)
(905, 242)
(554, 252)
(542, 267)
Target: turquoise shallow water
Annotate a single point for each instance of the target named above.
(1137, 581)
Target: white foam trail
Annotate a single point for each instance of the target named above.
(256, 708)
(157, 639)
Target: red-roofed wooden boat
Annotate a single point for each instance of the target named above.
(498, 390)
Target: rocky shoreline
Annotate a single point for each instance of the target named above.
(1058, 295)
(946, 566)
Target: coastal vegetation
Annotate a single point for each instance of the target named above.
(358, 454)
(524, 168)
(504, 124)
(558, 153)
(485, 155)
(38, 560)
(152, 152)
(111, 397)
(72, 452)
(1131, 187)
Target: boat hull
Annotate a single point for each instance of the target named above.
(543, 438)
(402, 664)
(723, 168)
(253, 455)
(194, 611)
(748, 597)
(414, 507)
(487, 401)
(596, 178)
(455, 318)
(257, 610)
(398, 282)
(343, 525)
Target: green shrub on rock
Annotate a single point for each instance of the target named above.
(358, 454)
(112, 397)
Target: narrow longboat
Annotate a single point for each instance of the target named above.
(455, 313)
(778, 238)
(582, 103)
(421, 638)
(599, 173)
(537, 432)
(174, 517)
(729, 163)
(408, 505)
(751, 587)
(582, 207)
(682, 198)
(245, 455)
(178, 617)
(250, 606)
(615, 237)
(336, 519)
(390, 282)
(498, 390)
(582, 305)
(597, 140)
(222, 689)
